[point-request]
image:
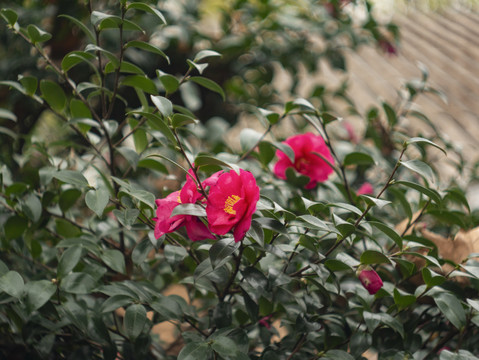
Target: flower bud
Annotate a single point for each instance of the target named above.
(370, 279)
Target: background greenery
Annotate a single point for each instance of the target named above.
(106, 104)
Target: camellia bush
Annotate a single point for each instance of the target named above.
(132, 229)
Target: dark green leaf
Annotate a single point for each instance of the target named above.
(135, 320)
(221, 250)
(69, 260)
(337, 355)
(403, 299)
(9, 15)
(202, 160)
(195, 351)
(209, 84)
(38, 293)
(431, 278)
(75, 58)
(358, 158)
(224, 346)
(78, 283)
(68, 198)
(53, 94)
(389, 231)
(460, 355)
(30, 84)
(12, 284)
(178, 120)
(256, 279)
(32, 207)
(373, 257)
(169, 307)
(390, 114)
(115, 302)
(141, 251)
(170, 83)
(433, 195)
(15, 226)
(114, 259)
(451, 308)
(175, 254)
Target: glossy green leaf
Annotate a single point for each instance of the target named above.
(135, 320)
(115, 302)
(432, 278)
(29, 83)
(199, 67)
(53, 94)
(420, 167)
(419, 140)
(125, 67)
(32, 207)
(203, 54)
(127, 217)
(178, 120)
(432, 194)
(153, 165)
(459, 355)
(7, 114)
(163, 105)
(224, 346)
(390, 114)
(209, 84)
(12, 284)
(203, 160)
(169, 82)
(403, 299)
(189, 209)
(15, 226)
(221, 250)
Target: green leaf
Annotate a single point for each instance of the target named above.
(199, 67)
(153, 165)
(9, 15)
(147, 47)
(195, 351)
(130, 155)
(169, 82)
(68, 198)
(388, 231)
(140, 82)
(7, 114)
(420, 167)
(76, 57)
(189, 209)
(403, 299)
(209, 84)
(127, 217)
(373, 257)
(286, 149)
(32, 207)
(30, 84)
(114, 259)
(433, 195)
(37, 35)
(249, 138)
(78, 283)
(163, 105)
(15, 226)
(337, 265)
(53, 94)
(204, 160)
(221, 250)
(271, 116)
(460, 355)
(390, 114)
(141, 251)
(82, 26)
(373, 320)
(69, 260)
(203, 54)
(175, 254)
(139, 136)
(115, 302)
(224, 346)
(147, 8)
(178, 120)
(256, 279)
(358, 158)
(72, 177)
(451, 308)
(337, 355)
(415, 140)
(125, 67)
(97, 200)
(135, 320)
(432, 278)
(38, 293)
(169, 307)
(108, 54)
(12, 284)
(79, 110)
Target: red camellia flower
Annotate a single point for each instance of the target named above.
(370, 279)
(231, 203)
(306, 161)
(165, 223)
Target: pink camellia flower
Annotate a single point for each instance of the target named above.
(370, 279)
(165, 223)
(365, 189)
(306, 161)
(265, 321)
(231, 203)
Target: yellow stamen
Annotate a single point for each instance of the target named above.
(230, 202)
(179, 199)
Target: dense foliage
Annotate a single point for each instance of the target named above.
(134, 224)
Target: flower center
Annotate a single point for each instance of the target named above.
(230, 202)
(179, 199)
